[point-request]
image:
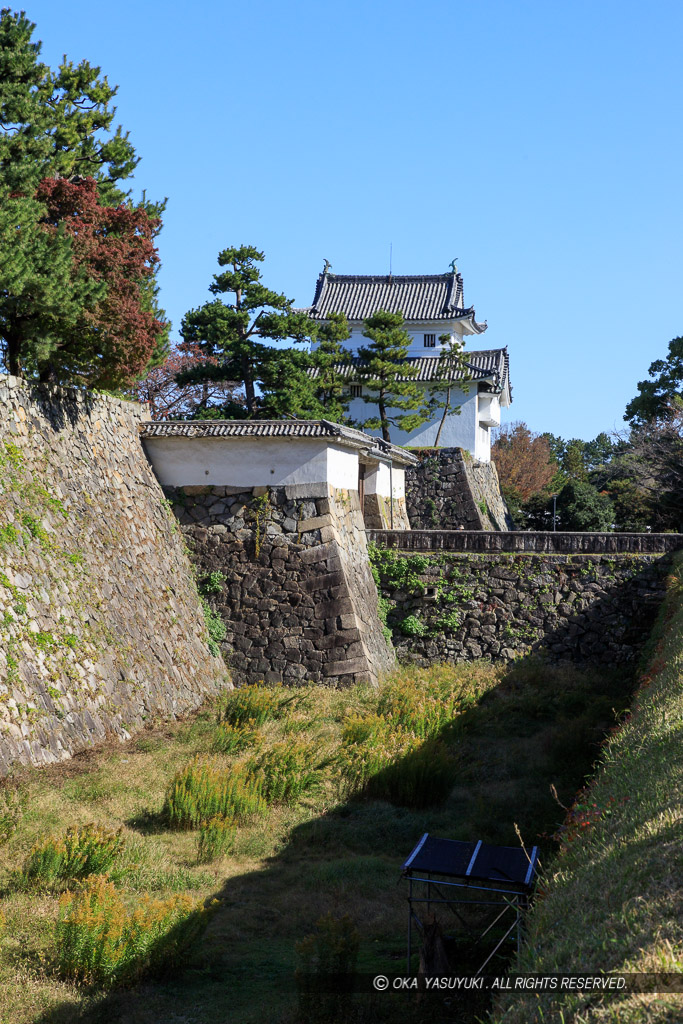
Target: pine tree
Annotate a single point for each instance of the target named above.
(276, 381)
(384, 371)
(331, 364)
(57, 127)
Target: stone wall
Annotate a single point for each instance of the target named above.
(449, 490)
(100, 623)
(381, 513)
(459, 607)
(292, 581)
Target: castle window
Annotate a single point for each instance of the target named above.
(430, 341)
(356, 390)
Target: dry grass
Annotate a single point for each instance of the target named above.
(301, 861)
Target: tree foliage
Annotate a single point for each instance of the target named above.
(523, 459)
(237, 339)
(658, 397)
(77, 286)
(583, 508)
(388, 377)
(169, 400)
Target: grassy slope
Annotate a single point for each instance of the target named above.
(518, 732)
(613, 900)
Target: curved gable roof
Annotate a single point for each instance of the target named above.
(416, 297)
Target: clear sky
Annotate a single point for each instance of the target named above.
(538, 141)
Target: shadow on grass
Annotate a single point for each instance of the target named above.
(540, 725)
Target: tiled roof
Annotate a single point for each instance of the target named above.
(491, 364)
(416, 297)
(346, 436)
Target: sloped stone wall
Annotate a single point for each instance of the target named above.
(461, 607)
(100, 623)
(449, 490)
(291, 581)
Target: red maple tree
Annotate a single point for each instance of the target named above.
(523, 459)
(169, 400)
(116, 331)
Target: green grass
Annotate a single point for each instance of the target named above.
(612, 898)
(485, 744)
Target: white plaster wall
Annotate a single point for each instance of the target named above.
(417, 333)
(378, 480)
(251, 462)
(461, 430)
(342, 467)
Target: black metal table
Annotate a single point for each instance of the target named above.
(481, 874)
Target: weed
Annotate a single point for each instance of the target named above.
(212, 583)
(231, 739)
(12, 804)
(412, 626)
(215, 627)
(80, 852)
(286, 771)
(101, 942)
(330, 951)
(204, 789)
(215, 838)
(253, 704)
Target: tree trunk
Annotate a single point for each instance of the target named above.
(443, 418)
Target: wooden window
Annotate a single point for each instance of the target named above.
(430, 341)
(356, 390)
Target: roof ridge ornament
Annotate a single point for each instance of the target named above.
(327, 266)
(453, 266)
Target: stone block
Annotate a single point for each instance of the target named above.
(349, 666)
(315, 523)
(322, 582)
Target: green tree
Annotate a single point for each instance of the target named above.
(276, 381)
(383, 368)
(657, 398)
(581, 507)
(330, 363)
(58, 126)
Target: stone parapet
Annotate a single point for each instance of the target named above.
(538, 542)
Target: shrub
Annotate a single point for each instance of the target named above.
(101, 942)
(204, 789)
(215, 627)
(285, 771)
(230, 739)
(83, 851)
(412, 626)
(253, 704)
(215, 837)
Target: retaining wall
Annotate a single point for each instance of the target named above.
(292, 578)
(100, 623)
(449, 489)
(461, 607)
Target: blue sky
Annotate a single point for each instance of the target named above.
(537, 141)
